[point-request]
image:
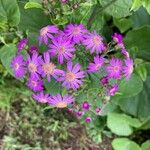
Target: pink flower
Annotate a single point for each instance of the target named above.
(47, 68)
(96, 65)
(46, 33)
(128, 69)
(73, 76)
(61, 48)
(60, 101)
(114, 70)
(75, 32)
(112, 90)
(94, 42)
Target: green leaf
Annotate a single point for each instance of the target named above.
(146, 4)
(123, 24)
(136, 5)
(140, 18)
(32, 5)
(7, 52)
(9, 12)
(130, 88)
(146, 145)
(117, 8)
(138, 105)
(122, 124)
(124, 144)
(52, 87)
(139, 38)
(32, 19)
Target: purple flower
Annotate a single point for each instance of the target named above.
(98, 110)
(18, 66)
(33, 49)
(62, 48)
(96, 65)
(73, 76)
(117, 38)
(47, 68)
(22, 43)
(112, 90)
(125, 53)
(33, 64)
(35, 84)
(41, 97)
(88, 119)
(128, 69)
(75, 32)
(85, 105)
(94, 42)
(46, 33)
(104, 80)
(79, 114)
(114, 70)
(60, 101)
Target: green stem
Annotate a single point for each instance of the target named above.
(96, 12)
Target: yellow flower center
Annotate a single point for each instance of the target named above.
(34, 83)
(16, 66)
(32, 67)
(96, 40)
(44, 31)
(76, 31)
(61, 50)
(61, 105)
(116, 68)
(48, 68)
(70, 76)
(97, 67)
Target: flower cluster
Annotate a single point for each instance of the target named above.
(60, 62)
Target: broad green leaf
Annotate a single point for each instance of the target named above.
(122, 124)
(146, 4)
(117, 8)
(52, 87)
(139, 38)
(146, 145)
(7, 52)
(138, 105)
(146, 124)
(140, 18)
(9, 12)
(130, 88)
(124, 144)
(136, 5)
(123, 24)
(32, 19)
(32, 5)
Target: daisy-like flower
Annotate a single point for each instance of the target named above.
(94, 42)
(114, 70)
(117, 38)
(46, 33)
(125, 53)
(96, 65)
(75, 32)
(47, 68)
(72, 77)
(41, 97)
(128, 69)
(33, 64)
(104, 80)
(112, 90)
(60, 101)
(18, 66)
(35, 84)
(62, 48)
(22, 43)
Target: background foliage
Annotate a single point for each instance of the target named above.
(128, 112)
